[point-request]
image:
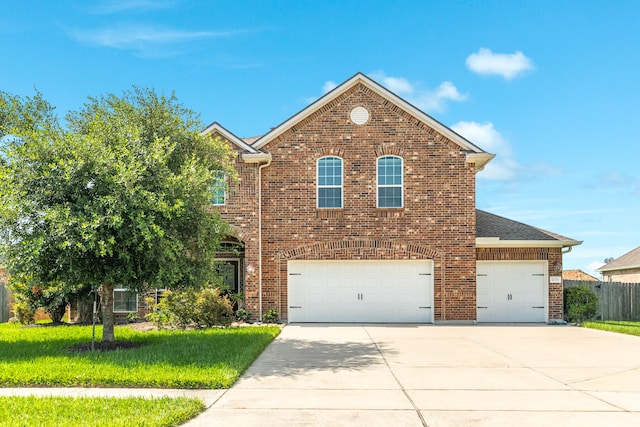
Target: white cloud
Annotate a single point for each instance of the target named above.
(428, 100)
(397, 85)
(616, 182)
(592, 267)
(435, 100)
(137, 37)
(329, 86)
(509, 66)
(503, 166)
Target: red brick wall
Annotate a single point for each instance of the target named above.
(552, 255)
(436, 222)
(241, 211)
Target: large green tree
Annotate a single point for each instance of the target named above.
(119, 197)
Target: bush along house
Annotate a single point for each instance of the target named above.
(362, 208)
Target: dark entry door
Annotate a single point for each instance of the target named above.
(229, 271)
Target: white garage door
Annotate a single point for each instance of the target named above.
(512, 291)
(360, 291)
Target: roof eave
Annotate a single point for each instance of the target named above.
(259, 157)
(479, 160)
(624, 267)
(217, 127)
(496, 242)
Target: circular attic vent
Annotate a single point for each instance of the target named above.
(359, 115)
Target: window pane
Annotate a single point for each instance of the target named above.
(330, 197)
(330, 182)
(218, 190)
(390, 197)
(125, 300)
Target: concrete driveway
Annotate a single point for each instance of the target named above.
(381, 375)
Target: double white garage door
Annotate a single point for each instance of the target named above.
(361, 291)
(402, 291)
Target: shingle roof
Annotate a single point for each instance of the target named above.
(578, 275)
(491, 225)
(628, 260)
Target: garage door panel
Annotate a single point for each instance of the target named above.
(512, 291)
(360, 291)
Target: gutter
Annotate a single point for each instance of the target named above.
(496, 242)
(259, 158)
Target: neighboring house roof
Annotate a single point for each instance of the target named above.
(629, 260)
(474, 153)
(578, 275)
(496, 231)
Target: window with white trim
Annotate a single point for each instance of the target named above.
(390, 182)
(329, 182)
(125, 301)
(219, 189)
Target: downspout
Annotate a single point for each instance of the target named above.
(265, 159)
(260, 236)
(568, 249)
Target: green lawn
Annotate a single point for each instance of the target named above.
(19, 411)
(211, 358)
(620, 326)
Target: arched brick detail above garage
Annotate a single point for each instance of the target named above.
(361, 249)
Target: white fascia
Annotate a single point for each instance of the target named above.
(258, 157)
(496, 242)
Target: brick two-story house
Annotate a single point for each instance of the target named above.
(362, 208)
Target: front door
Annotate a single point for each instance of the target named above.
(229, 270)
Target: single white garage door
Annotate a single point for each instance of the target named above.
(512, 291)
(360, 291)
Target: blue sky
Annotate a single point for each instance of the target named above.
(551, 87)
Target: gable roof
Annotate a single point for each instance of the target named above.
(578, 275)
(475, 153)
(217, 127)
(629, 260)
(496, 231)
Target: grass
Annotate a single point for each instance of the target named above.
(21, 411)
(620, 326)
(208, 359)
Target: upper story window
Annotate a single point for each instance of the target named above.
(390, 181)
(219, 189)
(330, 182)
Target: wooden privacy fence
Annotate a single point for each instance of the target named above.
(616, 300)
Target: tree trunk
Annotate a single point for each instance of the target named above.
(106, 296)
(85, 309)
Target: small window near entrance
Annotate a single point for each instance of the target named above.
(125, 301)
(219, 189)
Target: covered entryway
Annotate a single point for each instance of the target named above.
(360, 291)
(512, 291)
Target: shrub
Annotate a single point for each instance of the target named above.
(580, 304)
(212, 309)
(178, 307)
(203, 309)
(271, 316)
(24, 312)
(243, 315)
